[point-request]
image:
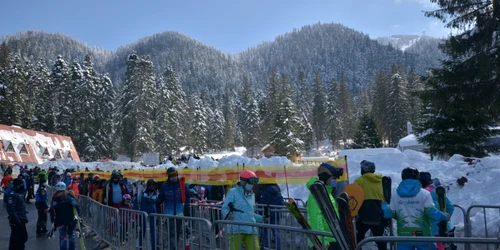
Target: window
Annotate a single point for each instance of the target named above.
(46, 152)
(10, 148)
(58, 154)
(24, 150)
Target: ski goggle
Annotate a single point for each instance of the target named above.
(172, 174)
(252, 181)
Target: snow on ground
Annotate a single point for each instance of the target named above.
(481, 189)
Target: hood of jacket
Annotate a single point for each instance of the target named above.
(409, 188)
(373, 178)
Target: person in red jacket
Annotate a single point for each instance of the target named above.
(74, 185)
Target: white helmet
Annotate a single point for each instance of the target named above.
(60, 186)
(68, 174)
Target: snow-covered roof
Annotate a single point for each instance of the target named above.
(368, 151)
(408, 141)
(265, 147)
(34, 146)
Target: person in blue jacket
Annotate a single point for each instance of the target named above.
(413, 209)
(146, 202)
(271, 195)
(428, 184)
(239, 205)
(8, 191)
(61, 214)
(175, 199)
(42, 206)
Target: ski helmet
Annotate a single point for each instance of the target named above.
(367, 167)
(410, 173)
(127, 197)
(327, 170)
(172, 172)
(60, 186)
(76, 177)
(68, 174)
(249, 176)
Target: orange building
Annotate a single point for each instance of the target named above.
(18, 145)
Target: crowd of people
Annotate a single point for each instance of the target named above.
(413, 206)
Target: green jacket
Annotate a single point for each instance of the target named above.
(314, 215)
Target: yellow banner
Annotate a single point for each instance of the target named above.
(271, 174)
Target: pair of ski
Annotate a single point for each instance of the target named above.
(78, 232)
(341, 225)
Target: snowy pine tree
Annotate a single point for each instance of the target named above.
(307, 134)
(287, 125)
(397, 107)
(104, 112)
(462, 98)
(176, 117)
(63, 89)
(414, 102)
(137, 106)
(366, 136)
(198, 135)
(332, 117)
(230, 118)
(319, 109)
(5, 61)
(39, 82)
(16, 79)
(380, 93)
(216, 129)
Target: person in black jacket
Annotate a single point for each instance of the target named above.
(271, 195)
(17, 216)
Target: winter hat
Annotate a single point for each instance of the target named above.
(367, 167)
(410, 173)
(425, 178)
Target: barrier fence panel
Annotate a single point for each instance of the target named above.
(105, 220)
(429, 240)
(267, 236)
(178, 232)
(463, 214)
(134, 230)
(492, 221)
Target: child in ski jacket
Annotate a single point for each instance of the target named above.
(426, 181)
(75, 185)
(242, 199)
(146, 202)
(413, 209)
(41, 204)
(97, 192)
(62, 215)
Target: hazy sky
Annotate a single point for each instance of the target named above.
(229, 25)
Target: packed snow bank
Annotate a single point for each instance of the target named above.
(481, 188)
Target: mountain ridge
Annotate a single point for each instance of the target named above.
(331, 50)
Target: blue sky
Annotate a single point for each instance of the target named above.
(228, 25)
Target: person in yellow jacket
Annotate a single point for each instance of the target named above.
(370, 215)
(328, 174)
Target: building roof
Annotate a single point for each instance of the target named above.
(24, 145)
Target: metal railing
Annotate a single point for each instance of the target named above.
(178, 232)
(271, 237)
(428, 240)
(206, 229)
(469, 224)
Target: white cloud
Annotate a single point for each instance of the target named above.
(427, 4)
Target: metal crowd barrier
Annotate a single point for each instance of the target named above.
(428, 240)
(103, 220)
(468, 219)
(464, 218)
(268, 236)
(135, 231)
(179, 232)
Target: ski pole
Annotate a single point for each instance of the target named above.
(346, 169)
(286, 183)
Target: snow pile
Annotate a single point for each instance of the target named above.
(324, 148)
(481, 188)
(239, 151)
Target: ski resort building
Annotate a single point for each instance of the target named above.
(18, 145)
